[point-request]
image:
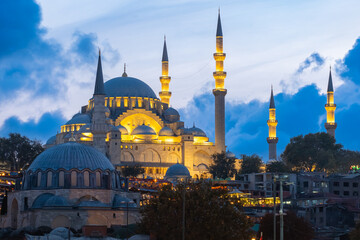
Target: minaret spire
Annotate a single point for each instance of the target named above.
(219, 91)
(124, 74)
(99, 82)
(272, 123)
(330, 107)
(165, 79)
(98, 124)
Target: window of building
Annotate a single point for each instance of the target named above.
(321, 209)
(26, 204)
(355, 184)
(306, 184)
(346, 193)
(346, 184)
(336, 184)
(336, 192)
(355, 194)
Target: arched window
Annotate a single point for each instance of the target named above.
(39, 179)
(73, 178)
(49, 179)
(61, 178)
(86, 179)
(98, 179)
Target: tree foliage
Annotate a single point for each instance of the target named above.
(277, 167)
(295, 228)
(18, 151)
(132, 171)
(208, 214)
(312, 152)
(251, 164)
(222, 167)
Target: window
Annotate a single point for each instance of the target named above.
(355, 184)
(26, 204)
(336, 184)
(336, 192)
(306, 184)
(346, 193)
(346, 184)
(321, 209)
(355, 194)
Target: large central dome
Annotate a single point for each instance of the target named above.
(128, 87)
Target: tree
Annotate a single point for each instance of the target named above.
(277, 167)
(18, 151)
(251, 164)
(222, 167)
(295, 228)
(132, 171)
(208, 214)
(312, 152)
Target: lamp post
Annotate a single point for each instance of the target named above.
(274, 195)
(281, 178)
(183, 213)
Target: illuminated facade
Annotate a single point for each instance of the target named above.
(272, 123)
(127, 121)
(330, 107)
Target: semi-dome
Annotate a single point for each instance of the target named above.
(71, 155)
(143, 130)
(230, 154)
(56, 201)
(128, 87)
(166, 131)
(79, 118)
(177, 171)
(85, 128)
(197, 132)
(123, 130)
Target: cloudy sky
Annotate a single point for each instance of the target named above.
(48, 53)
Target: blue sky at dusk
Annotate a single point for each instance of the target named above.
(48, 53)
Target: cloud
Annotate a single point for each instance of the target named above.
(313, 62)
(39, 76)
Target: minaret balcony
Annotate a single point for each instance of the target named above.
(165, 79)
(219, 56)
(272, 139)
(219, 75)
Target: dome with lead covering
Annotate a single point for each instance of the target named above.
(71, 155)
(128, 87)
(171, 115)
(123, 130)
(79, 118)
(51, 140)
(197, 132)
(166, 131)
(177, 171)
(56, 201)
(143, 130)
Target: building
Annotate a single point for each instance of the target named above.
(71, 184)
(127, 121)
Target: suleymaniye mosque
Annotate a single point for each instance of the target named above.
(129, 123)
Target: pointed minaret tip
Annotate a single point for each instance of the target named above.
(330, 83)
(219, 29)
(165, 54)
(99, 82)
(272, 101)
(124, 74)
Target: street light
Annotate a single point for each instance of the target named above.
(281, 178)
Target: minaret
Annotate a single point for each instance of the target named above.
(165, 79)
(272, 122)
(330, 107)
(98, 124)
(219, 91)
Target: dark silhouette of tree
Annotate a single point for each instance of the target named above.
(222, 167)
(251, 164)
(355, 233)
(18, 151)
(312, 152)
(277, 167)
(295, 228)
(208, 214)
(132, 171)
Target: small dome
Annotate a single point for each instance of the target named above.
(230, 154)
(56, 201)
(186, 131)
(71, 155)
(143, 130)
(171, 112)
(128, 87)
(171, 115)
(123, 130)
(61, 232)
(123, 202)
(177, 171)
(197, 132)
(166, 131)
(40, 201)
(112, 128)
(79, 118)
(51, 141)
(92, 204)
